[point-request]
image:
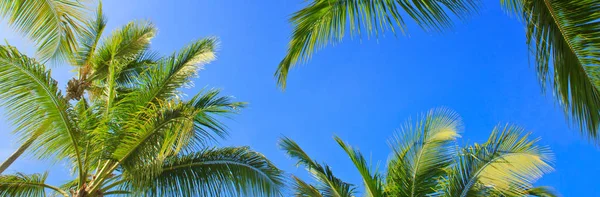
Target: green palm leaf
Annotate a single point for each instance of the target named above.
(174, 72)
(303, 189)
(507, 162)
(372, 180)
(34, 103)
(421, 152)
(330, 185)
(325, 21)
(26, 185)
(52, 24)
(212, 172)
(563, 37)
(122, 47)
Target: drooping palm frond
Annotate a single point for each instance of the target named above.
(373, 180)
(508, 162)
(26, 185)
(329, 184)
(421, 152)
(235, 171)
(34, 103)
(325, 21)
(174, 72)
(52, 24)
(563, 37)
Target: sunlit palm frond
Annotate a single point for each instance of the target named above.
(160, 132)
(421, 152)
(208, 105)
(303, 189)
(33, 101)
(372, 180)
(218, 171)
(174, 72)
(329, 184)
(89, 41)
(563, 37)
(52, 24)
(122, 47)
(507, 162)
(323, 21)
(26, 185)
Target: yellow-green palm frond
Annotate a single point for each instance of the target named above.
(52, 24)
(34, 103)
(90, 39)
(329, 184)
(159, 132)
(563, 37)
(123, 46)
(508, 163)
(421, 152)
(176, 71)
(372, 179)
(26, 185)
(326, 21)
(237, 171)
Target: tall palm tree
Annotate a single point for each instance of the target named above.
(53, 25)
(426, 161)
(130, 131)
(562, 35)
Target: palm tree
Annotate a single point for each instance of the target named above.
(562, 35)
(52, 24)
(125, 128)
(426, 161)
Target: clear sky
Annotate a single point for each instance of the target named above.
(361, 90)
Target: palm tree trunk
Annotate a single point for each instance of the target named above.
(17, 153)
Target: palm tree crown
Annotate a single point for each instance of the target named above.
(123, 126)
(426, 161)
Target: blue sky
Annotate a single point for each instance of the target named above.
(361, 90)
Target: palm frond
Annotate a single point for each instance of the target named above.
(541, 192)
(173, 72)
(563, 37)
(372, 180)
(329, 184)
(303, 189)
(52, 24)
(421, 152)
(211, 172)
(324, 21)
(89, 41)
(33, 101)
(26, 185)
(160, 132)
(208, 104)
(122, 47)
(508, 162)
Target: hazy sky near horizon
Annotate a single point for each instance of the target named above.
(361, 90)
